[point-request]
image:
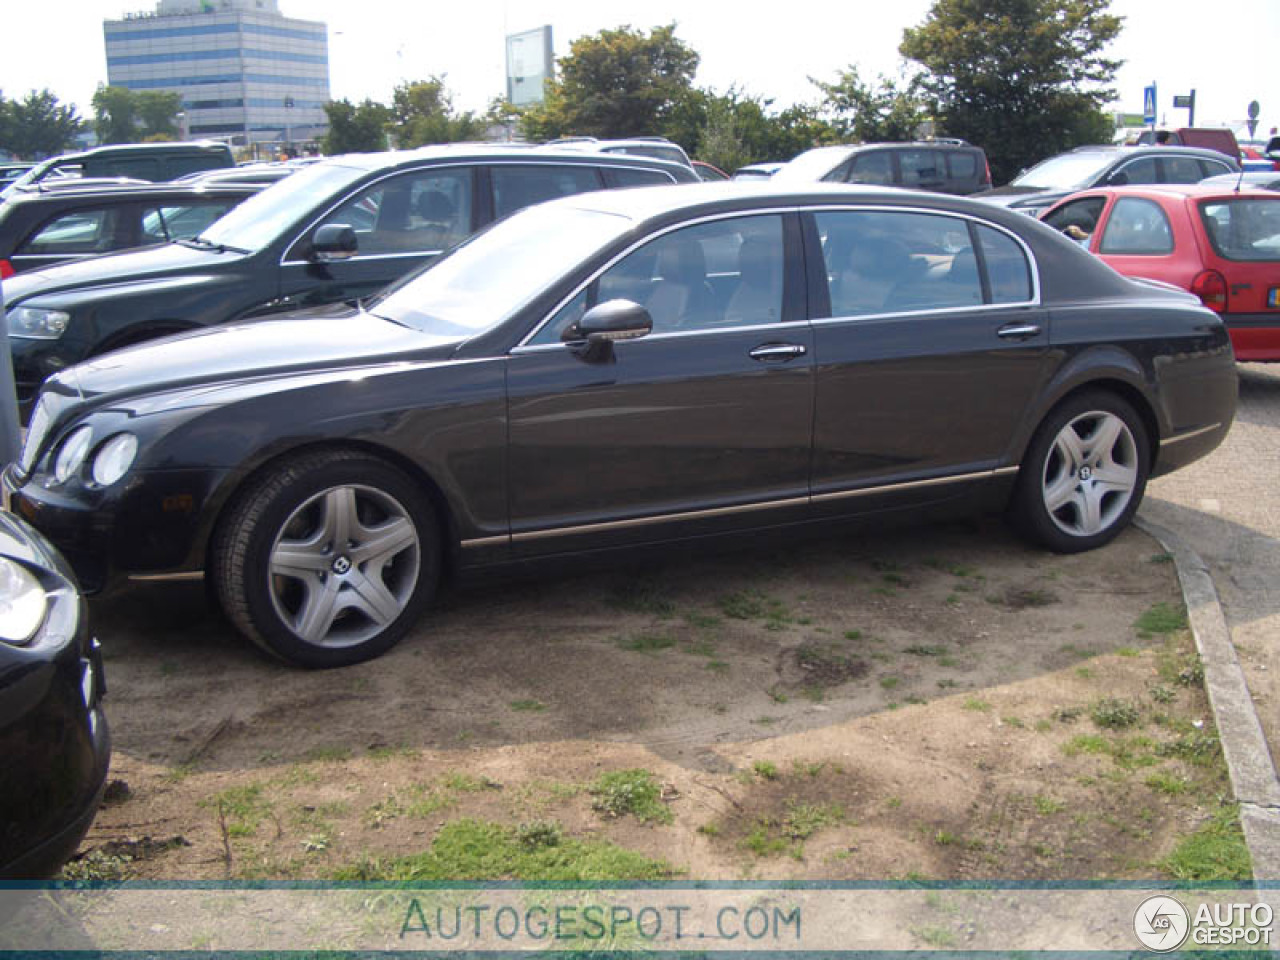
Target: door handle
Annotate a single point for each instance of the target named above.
(1018, 331)
(777, 352)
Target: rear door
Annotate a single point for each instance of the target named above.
(929, 350)
(1242, 234)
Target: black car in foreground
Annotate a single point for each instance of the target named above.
(335, 231)
(53, 734)
(627, 369)
(1036, 190)
(42, 226)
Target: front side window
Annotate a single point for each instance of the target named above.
(424, 211)
(1082, 214)
(1137, 227)
(890, 261)
(82, 232)
(1139, 171)
(727, 273)
(517, 187)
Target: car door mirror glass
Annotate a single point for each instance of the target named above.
(332, 242)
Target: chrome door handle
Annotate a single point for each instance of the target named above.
(1018, 331)
(777, 351)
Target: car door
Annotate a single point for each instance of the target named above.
(930, 342)
(703, 425)
(1138, 238)
(402, 221)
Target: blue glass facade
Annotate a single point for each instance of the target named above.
(243, 70)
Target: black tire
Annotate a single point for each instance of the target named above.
(333, 607)
(1070, 497)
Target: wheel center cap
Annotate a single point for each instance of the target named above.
(1085, 474)
(342, 565)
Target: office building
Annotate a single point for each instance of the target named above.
(246, 73)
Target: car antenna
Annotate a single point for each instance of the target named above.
(1240, 179)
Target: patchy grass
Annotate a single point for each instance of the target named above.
(479, 850)
(633, 792)
(1215, 852)
(243, 808)
(976, 704)
(765, 769)
(1162, 618)
(1114, 714)
(528, 706)
(641, 595)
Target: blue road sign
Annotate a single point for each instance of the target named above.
(1149, 104)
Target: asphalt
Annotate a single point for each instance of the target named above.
(1220, 520)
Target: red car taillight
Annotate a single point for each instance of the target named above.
(987, 176)
(6, 270)
(1211, 287)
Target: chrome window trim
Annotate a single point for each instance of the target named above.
(632, 522)
(524, 344)
(525, 347)
(671, 335)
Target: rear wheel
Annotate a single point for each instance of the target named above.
(327, 559)
(1084, 474)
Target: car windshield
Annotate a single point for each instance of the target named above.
(1067, 171)
(1244, 228)
(486, 280)
(258, 221)
(812, 164)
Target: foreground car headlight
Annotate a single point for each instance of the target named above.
(22, 603)
(71, 456)
(114, 458)
(36, 324)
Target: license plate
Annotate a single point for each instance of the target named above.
(1273, 297)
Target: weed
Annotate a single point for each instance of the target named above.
(629, 791)
(976, 704)
(1015, 722)
(1215, 852)
(1169, 784)
(914, 700)
(1160, 558)
(1043, 725)
(1162, 694)
(1068, 714)
(763, 842)
(329, 754)
(777, 695)
(477, 850)
(945, 838)
(948, 662)
(884, 592)
(766, 720)
(802, 768)
(765, 769)
(803, 820)
(717, 666)
(896, 579)
(751, 605)
(953, 598)
(1047, 806)
(1084, 673)
(853, 634)
(924, 650)
(947, 683)
(1127, 652)
(701, 621)
(1199, 747)
(465, 783)
(893, 803)
(392, 753)
(539, 834)
(647, 642)
(940, 938)
(711, 829)
(1089, 743)
(528, 706)
(890, 683)
(243, 808)
(1162, 618)
(701, 647)
(1113, 714)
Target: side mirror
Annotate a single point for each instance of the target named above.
(332, 242)
(610, 321)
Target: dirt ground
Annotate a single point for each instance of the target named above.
(922, 703)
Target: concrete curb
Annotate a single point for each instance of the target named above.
(1253, 776)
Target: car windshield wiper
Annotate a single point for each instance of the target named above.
(200, 243)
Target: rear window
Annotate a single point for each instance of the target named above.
(964, 165)
(1243, 228)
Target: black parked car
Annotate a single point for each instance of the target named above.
(42, 226)
(945, 166)
(1036, 190)
(335, 231)
(53, 734)
(623, 369)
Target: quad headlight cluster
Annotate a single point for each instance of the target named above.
(32, 323)
(109, 461)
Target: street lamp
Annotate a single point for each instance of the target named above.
(288, 123)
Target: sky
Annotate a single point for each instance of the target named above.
(769, 50)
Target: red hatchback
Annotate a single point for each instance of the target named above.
(1222, 245)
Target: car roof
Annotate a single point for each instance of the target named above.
(1149, 148)
(1181, 191)
(490, 151)
(136, 189)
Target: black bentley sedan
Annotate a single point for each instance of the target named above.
(627, 368)
(53, 733)
(337, 230)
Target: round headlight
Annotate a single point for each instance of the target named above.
(71, 457)
(114, 458)
(22, 603)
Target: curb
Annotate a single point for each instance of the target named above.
(1253, 776)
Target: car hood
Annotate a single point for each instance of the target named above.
(340, 338)
(115, 268)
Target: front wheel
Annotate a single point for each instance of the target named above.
(1084, 474)
(327, 559)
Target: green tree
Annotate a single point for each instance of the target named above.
(862, 111)
(158, 112)
(733, 129)
(1024, 79)
(115, 115)
(616, 83)
(39, 126)
(356, 129)
(422, 113)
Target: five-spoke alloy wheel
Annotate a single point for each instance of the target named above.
(327, 559)
(1084, 474)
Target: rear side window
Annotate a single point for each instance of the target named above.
(517, 187)
(1008, 272)
(634, 177)
(139, 168)
(873, 167)
(963, 165)
(82, 232)
(1213, 168)
(1137, 227)
(1246, 228)
(922, 168)
(1139, 171)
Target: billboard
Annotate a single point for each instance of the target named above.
(529, 62)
